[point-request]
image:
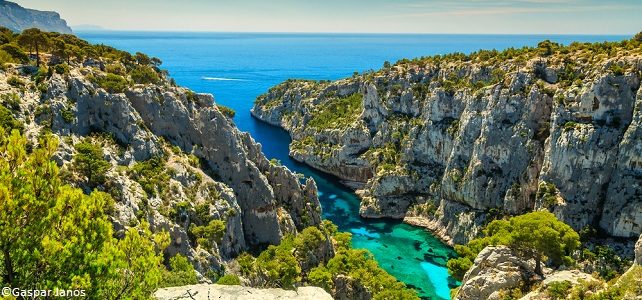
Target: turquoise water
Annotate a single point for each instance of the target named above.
(237, 67)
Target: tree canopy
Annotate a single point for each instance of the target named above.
(89, 162)
(537, 235)
(34, 40)
(53, 236)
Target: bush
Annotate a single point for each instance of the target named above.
(638, 37)
(559, 289)
(229, 279)
(62, 69)
(181, 272)
(68, 115)
(457, 267)
(89, 161)
(14, 81)
(5, 58)
(337, 113)
(11, 101)
(617, 69)
(8, 122)
(228, 112)
(151, 175)
(112, 83)
(204, 235)
(16, 53)
(144, 75)
(278, 264)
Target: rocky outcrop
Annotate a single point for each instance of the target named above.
(495, 269)
(498, 273)
(346, 288)
(474, 137)
(207, 169)
(572, 277)
(236, 292)
(18, 18)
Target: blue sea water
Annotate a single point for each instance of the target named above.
(237, 67)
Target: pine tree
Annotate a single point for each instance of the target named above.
(52, 236)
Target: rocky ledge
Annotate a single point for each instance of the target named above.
(229, 292)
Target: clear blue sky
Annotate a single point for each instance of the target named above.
(383, 16)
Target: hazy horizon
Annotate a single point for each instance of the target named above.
(107, 30)
(505, 17)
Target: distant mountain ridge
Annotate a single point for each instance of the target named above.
(18, 18)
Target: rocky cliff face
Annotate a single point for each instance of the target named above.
(638, 251)
(18, 18)
(452, 141)
(203, 166)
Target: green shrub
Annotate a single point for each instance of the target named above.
(337, 113)
(246, 263)
(191, 96)
(457, 267)
(617, 69)
(152, 175)
(62, 69)
(8, 122)
(11, 101)
(144, 75)
(116, 68)
(68, 115)
(229, 279)
(559, 289)
(278, 265)
(5, 58)
(570, 125)
(204, 235)
(180, 273)
(228, 112)
(548, 193)
(89, 162)
(14, 81)
(16, 53)
(112, 83)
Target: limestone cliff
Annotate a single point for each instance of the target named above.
(198, 165)
(18, 18)
(452, 141)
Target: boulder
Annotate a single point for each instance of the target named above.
(495, 269)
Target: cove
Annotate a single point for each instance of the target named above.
(410, 254)
(237, 67)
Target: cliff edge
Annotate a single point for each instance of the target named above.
(18, 18)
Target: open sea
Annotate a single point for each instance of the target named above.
(237, 67)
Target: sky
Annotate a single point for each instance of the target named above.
(355, 16)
